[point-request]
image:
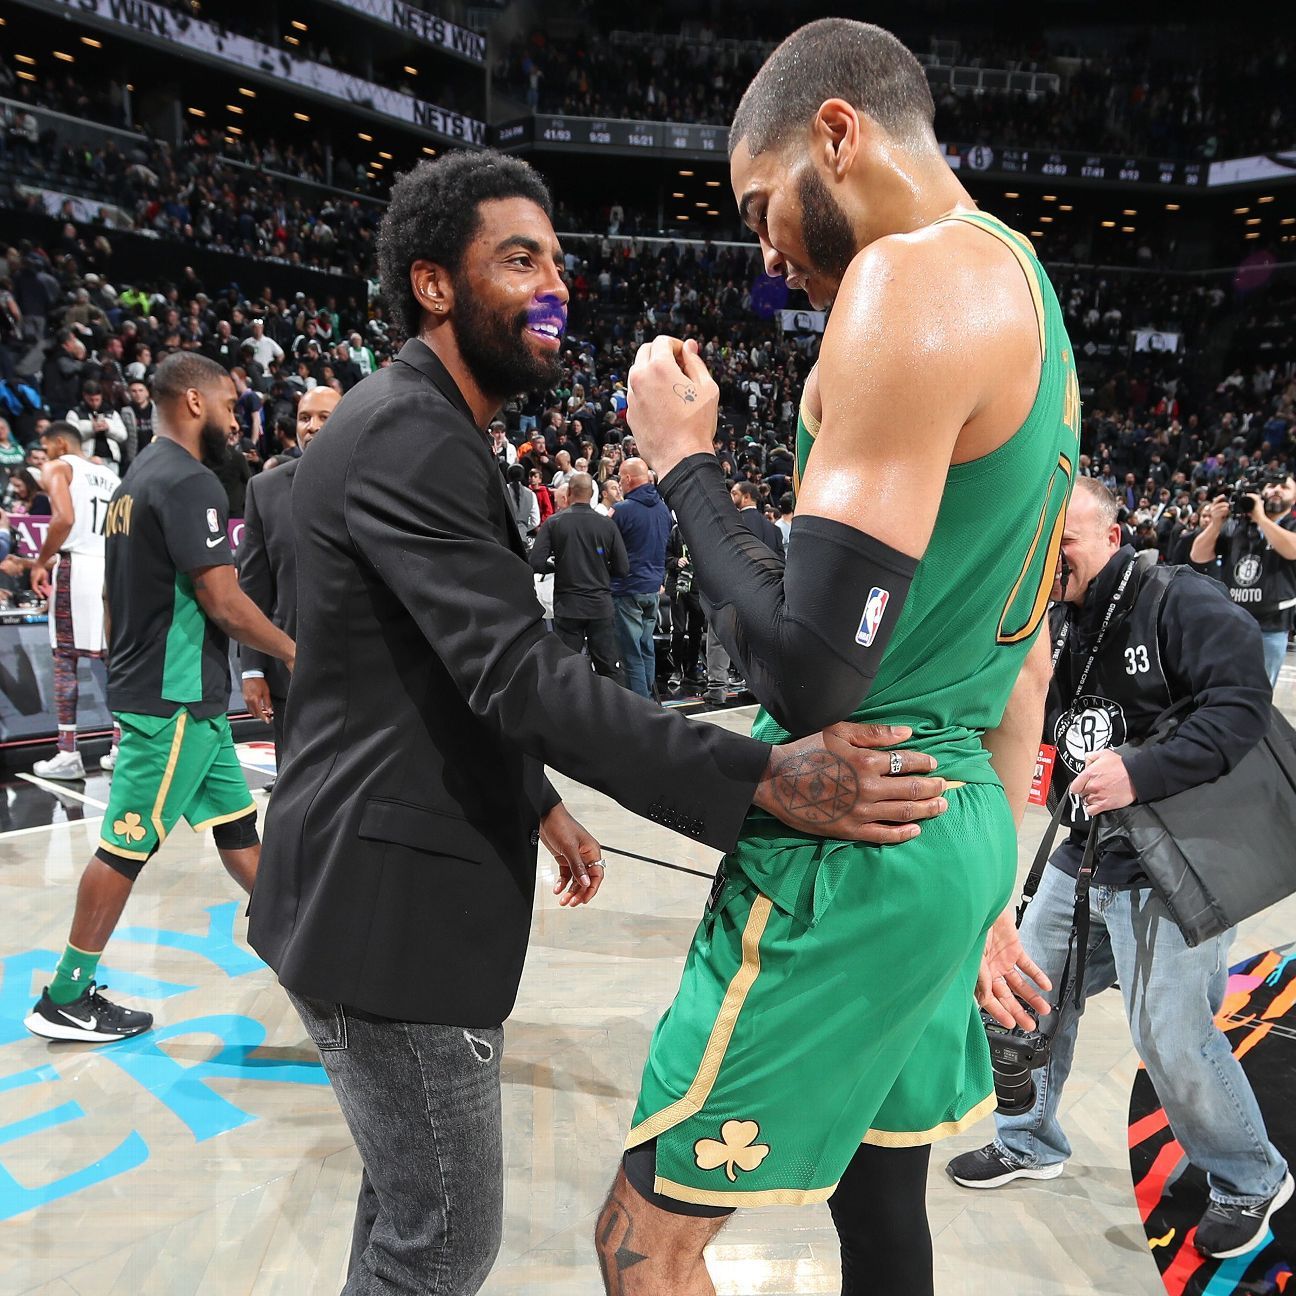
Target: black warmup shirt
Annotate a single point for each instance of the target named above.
(588, 551)
(167, 519)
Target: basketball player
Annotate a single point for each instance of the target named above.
(79, 492)
(826, 1031)
(173, 602)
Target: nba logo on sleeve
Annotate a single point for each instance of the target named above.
(213, 522)
(871, 621)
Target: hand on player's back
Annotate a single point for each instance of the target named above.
(839, 784)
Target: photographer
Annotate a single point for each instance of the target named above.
(1258, 549)
(1129, 642)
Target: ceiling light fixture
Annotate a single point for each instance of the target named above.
(90, 40)
(302, 116)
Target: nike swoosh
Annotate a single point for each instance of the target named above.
(211, 544)
(91, 1024)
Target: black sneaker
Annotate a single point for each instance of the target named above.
(1228, 1231)
(716, 697)
(91, 1018)
(988, 1167)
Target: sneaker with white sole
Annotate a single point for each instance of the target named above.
(91, 1018)
(108, 763)
(66, 766)
(988, 1167)
(1226, 1231)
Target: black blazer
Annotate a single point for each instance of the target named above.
(267, 563)
(399, 859)
(762, 528)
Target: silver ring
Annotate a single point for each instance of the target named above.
(598, 863)
(897, 763)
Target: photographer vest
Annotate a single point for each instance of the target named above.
(1124, 690)
(1258, 578)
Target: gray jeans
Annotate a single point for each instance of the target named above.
(423, 1105)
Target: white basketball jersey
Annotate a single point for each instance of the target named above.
(92, 488)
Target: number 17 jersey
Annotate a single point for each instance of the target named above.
(981, 589)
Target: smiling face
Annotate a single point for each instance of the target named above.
(805, 236)
(508, 305)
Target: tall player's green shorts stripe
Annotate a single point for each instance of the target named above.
(168, 769)
(827, 1000)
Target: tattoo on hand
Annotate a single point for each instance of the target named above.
(817, 788)
(686, 392)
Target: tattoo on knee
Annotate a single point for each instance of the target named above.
(616, 1251)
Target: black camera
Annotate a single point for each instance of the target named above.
(1253, 482)
(1014, 1054)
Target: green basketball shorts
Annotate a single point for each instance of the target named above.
(827, 1000)
(170, 769)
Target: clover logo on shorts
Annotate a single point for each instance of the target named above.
(131, 827)
(735, 1149)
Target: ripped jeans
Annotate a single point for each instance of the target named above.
(422, 1102)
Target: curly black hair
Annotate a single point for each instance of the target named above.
(434, 214)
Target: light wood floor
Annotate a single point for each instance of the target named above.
(242, 1175)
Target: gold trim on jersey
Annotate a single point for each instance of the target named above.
(917, 1138)
(721, 1033)
(761, 1197)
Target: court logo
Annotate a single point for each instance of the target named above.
(871, 621)
(1248, 569)
(736, 1149)
(1092, 724)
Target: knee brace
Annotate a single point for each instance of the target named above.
(129, 868)
(238, 834)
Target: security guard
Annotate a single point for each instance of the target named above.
(1129, 642)
(1259, 561)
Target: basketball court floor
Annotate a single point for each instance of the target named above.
(208, 1157)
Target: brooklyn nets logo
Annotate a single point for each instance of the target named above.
(1091, 725)
(1248, 569)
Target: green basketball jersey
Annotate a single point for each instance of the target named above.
(981, 589)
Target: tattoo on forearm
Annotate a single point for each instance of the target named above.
(686, 392)
(615, 1253)
(818, 788)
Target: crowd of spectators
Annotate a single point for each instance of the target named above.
(1229, 100)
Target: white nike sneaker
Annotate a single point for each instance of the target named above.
(63, 765)
(109, 762)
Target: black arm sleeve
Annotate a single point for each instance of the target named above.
(1213, 653)
(809, 637)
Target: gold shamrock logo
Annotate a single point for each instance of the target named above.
(131, 827)
(736, 1148)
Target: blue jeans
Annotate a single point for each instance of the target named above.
(423, 1105)
(1275, 651)
(1171, 994)
(636, 618)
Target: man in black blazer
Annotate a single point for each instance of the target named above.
(586, 551)
(267, 562)
(747, 501)
(395, 891)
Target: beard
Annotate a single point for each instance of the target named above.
(828, 237)
(1275, 506)
(215, 442)
(494, 348)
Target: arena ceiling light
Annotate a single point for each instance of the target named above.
(1288, 220)
(300, 26)
(233, 130)
(1172, 206)
(686, 173)
(1050, 197)
(1255, 220)
(25, 58)
(712, 212)
(305, 117)
(388, 156)
(677, 195)
(63, 56)
(1037, 233)
(368, 139)
(1109, 224)
(700, 204)
(1240, 211)
(1046, 220)
(1266, 199)
(1254, 234)
(25, 76)
(1127, 229)
(713, 184)
(431, 152)
(413, 71)
(1012, 194)
(235, 109)
(249, 94)
(375, 166)
(90, 40)
(684, 218)
(196, 112)
(1128, 211)
(292, 40)
(130, 88)
(1066, 207)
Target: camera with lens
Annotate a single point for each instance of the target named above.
(1252, 482)
(1014, 1054)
